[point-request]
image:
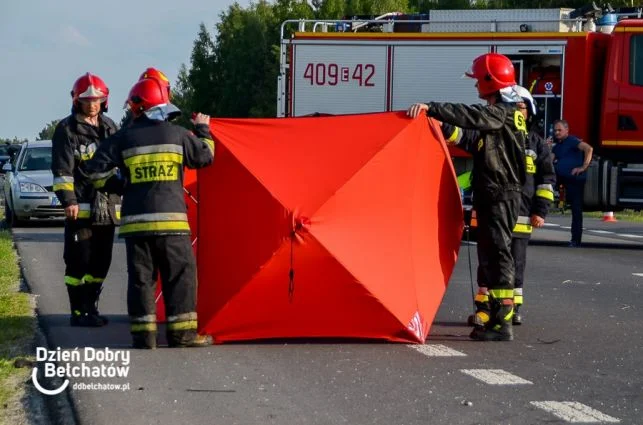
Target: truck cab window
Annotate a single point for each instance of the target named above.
(636, 60)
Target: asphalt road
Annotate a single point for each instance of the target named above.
(577, 359)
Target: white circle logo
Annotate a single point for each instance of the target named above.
(34, 379)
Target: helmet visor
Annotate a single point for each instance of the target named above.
(468, 73)
(92, 99)
(92, 93)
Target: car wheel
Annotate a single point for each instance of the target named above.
(10, 218)
(7, 214)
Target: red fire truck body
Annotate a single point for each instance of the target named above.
(593, 79)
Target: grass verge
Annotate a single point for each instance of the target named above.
(17, 326)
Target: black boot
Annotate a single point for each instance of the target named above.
(188, 338)
(75, 305)
(499, 328)
(483, 309)
(144, 340)
(79, 300)
(517, 317)
(93, 291)
(79, 311)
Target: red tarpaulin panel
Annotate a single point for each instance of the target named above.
(192, 203)
(342, 226)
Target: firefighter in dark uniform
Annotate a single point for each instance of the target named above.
(90, 214)
(497, 179)
(151, 153)
(537, 195)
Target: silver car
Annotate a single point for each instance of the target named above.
(28, 185)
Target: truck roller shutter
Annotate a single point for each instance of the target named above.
(436, 72)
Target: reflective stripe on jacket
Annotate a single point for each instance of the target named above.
(73, 143)
(538, 190)
(498, 146)
(523, 226)
(151, 155)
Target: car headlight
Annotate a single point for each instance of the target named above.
(31, 187)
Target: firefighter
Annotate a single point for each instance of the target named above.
(90, 214)
(152, 152)
(537, 196)
(497, 179)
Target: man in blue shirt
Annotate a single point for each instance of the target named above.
(571, 158)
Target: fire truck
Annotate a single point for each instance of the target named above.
(584, 65)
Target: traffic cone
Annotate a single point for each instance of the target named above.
(608, 216)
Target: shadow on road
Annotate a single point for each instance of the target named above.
(34, 222)
(60, 334)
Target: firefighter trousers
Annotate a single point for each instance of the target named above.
(496, 220)
(87, 252)
(172, 258)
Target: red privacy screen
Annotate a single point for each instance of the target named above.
(342, 226)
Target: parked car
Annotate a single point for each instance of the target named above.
(28, 185)
(4, 154)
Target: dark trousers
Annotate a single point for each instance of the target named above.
(574, 190)
(519, 253)
(172, 258)
(87, 251)
(496, 220)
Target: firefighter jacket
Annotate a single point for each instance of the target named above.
(73, 143)
(538, 190)
(151, 155)
(498, 153)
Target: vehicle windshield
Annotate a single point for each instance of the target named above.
(36, 159)
(4, 151)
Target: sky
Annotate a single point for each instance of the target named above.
(46, 45)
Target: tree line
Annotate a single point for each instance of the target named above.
(45, 134)
(233, 73)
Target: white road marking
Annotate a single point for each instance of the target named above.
(630, 236)
(565, 227)
(436, 350)
(637, 274)
(604, 232)
(552, 225)
(495, 376)
(574, 412)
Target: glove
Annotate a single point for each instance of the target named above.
(100, 209)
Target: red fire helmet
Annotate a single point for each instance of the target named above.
(90, 87)
(155, 74)
(493, 72)
(146, 94)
